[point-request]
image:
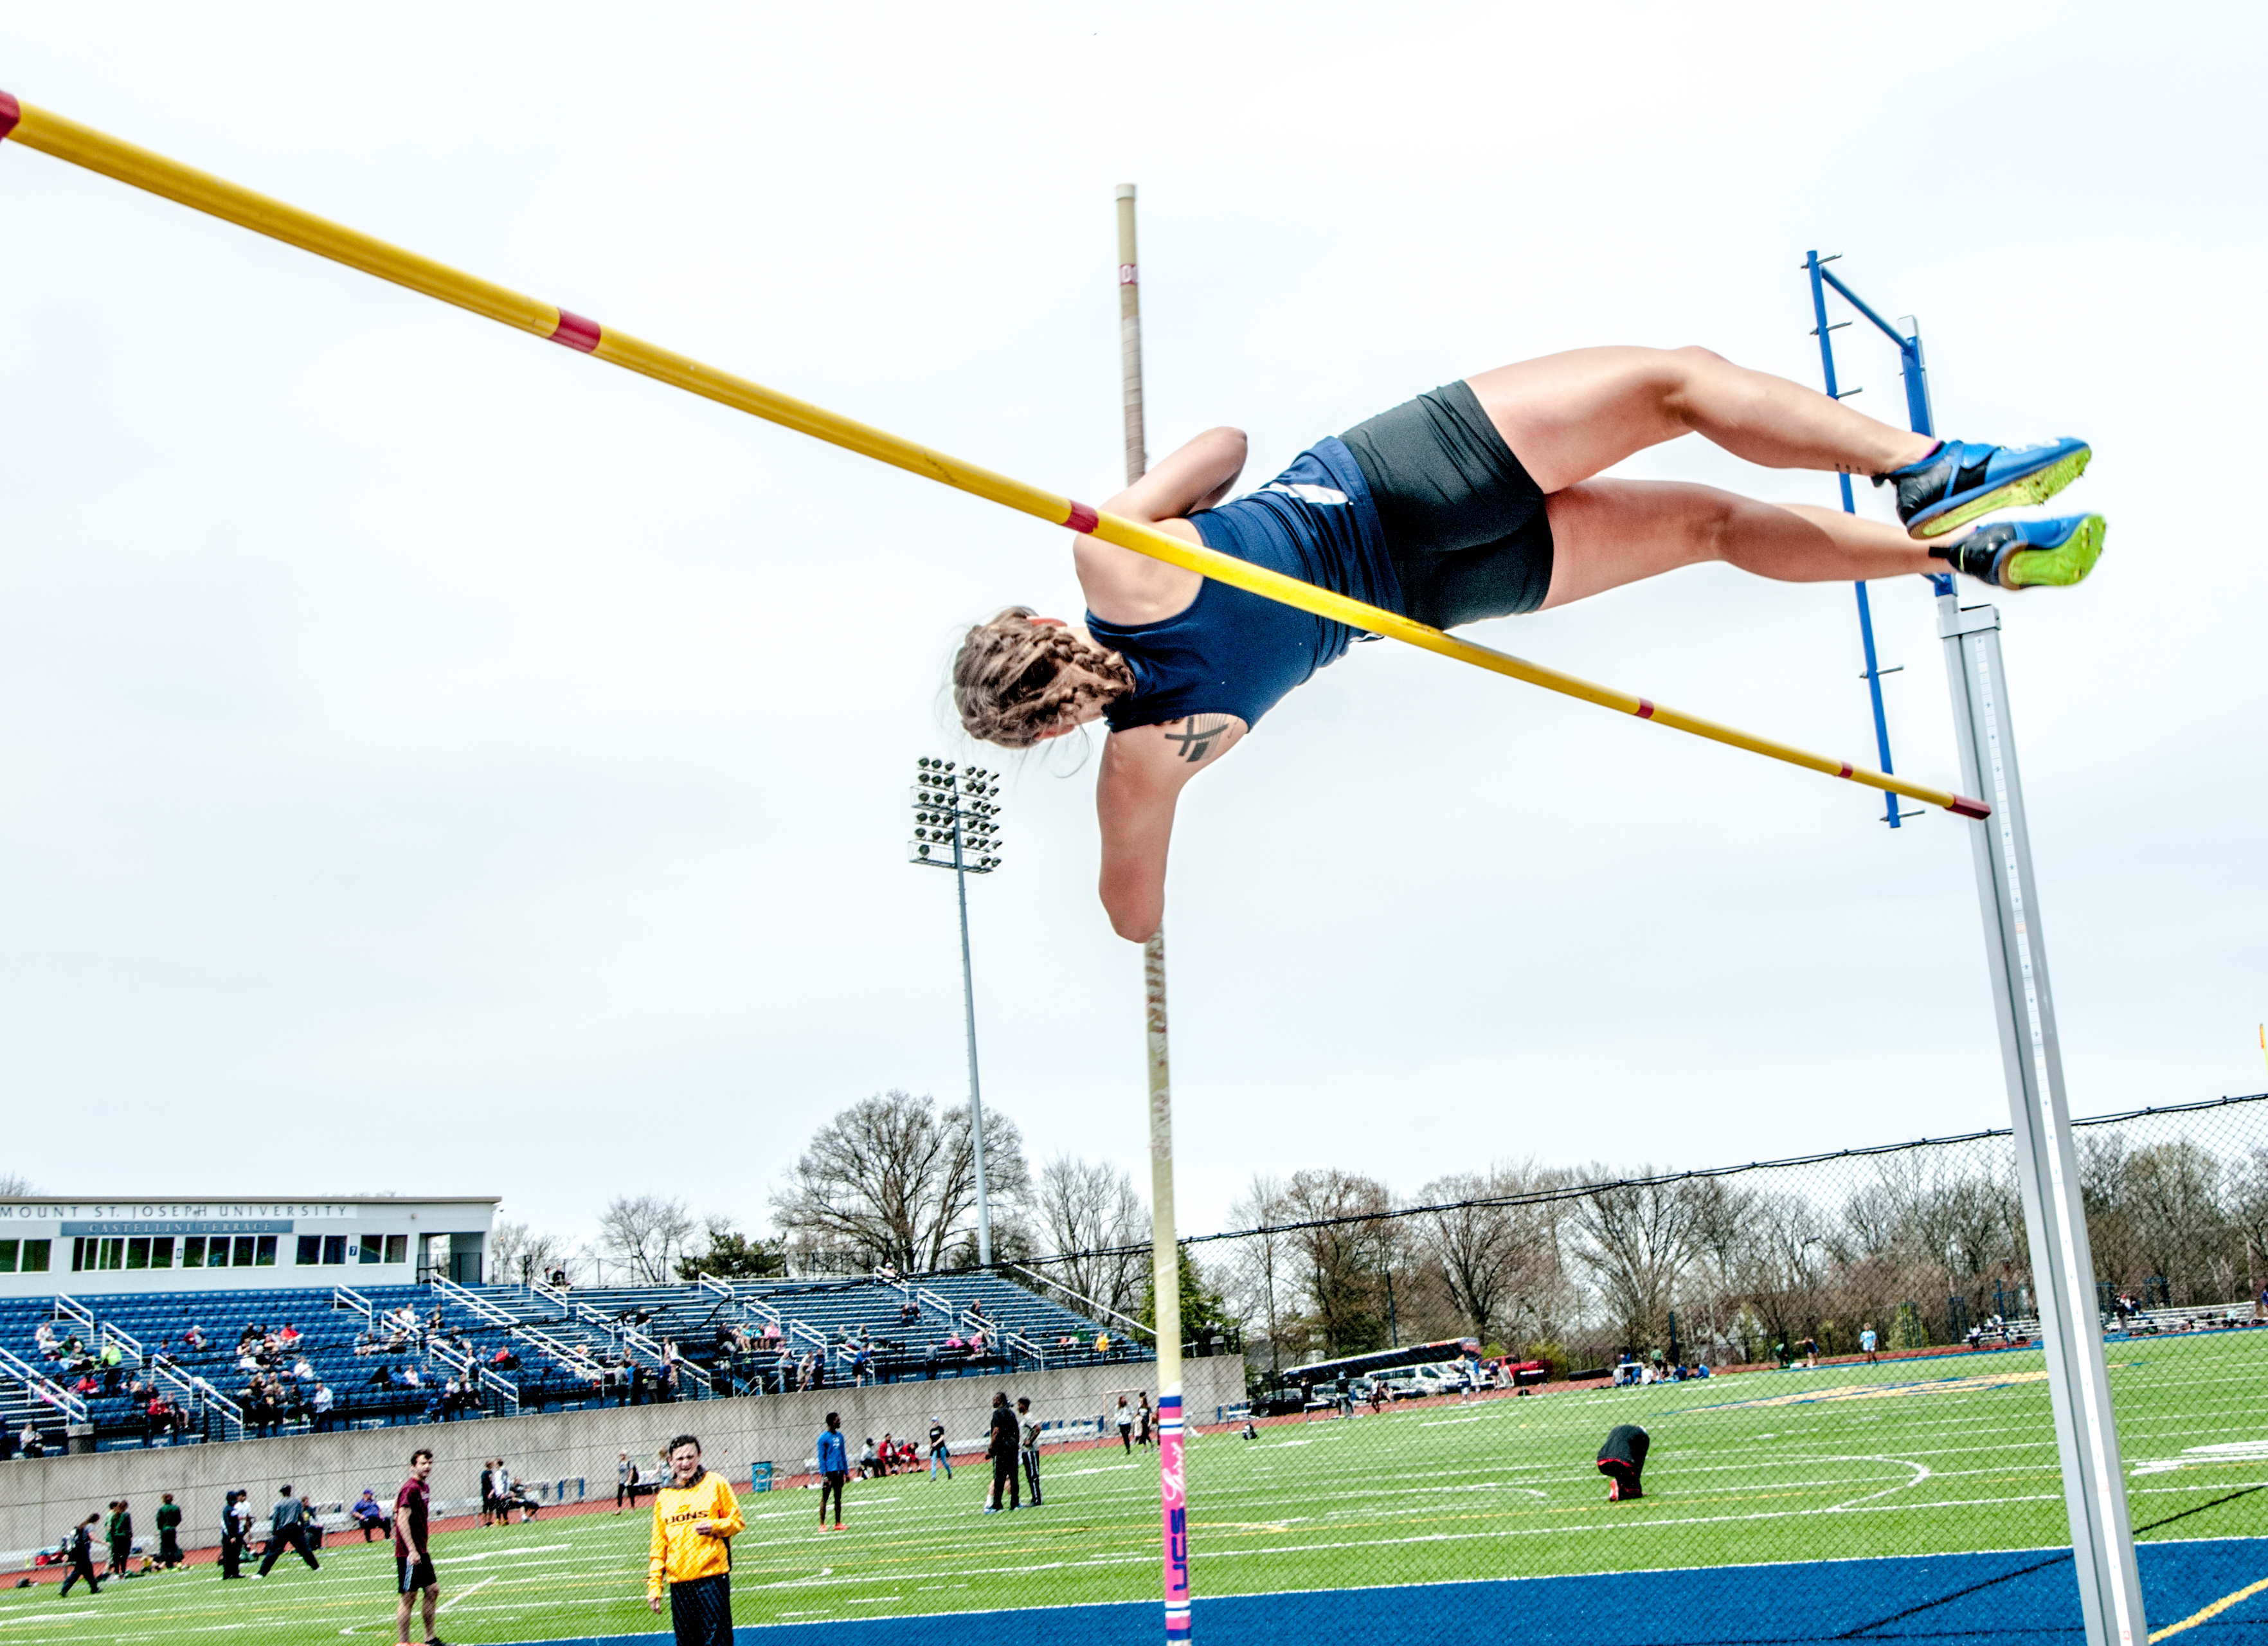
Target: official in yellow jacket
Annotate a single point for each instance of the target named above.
(696, 1518)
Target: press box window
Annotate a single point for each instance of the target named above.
(311, 1250)
(193, 1252)
(397, 1249)
(96, 1252)
(150, 1252)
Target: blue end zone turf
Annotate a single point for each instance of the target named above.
(2026, 1597)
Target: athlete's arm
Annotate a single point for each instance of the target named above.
(1122, 586)
(1144, 771)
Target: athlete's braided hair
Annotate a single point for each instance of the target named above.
(1015, 681)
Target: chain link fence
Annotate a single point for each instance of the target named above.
(1826, 1359)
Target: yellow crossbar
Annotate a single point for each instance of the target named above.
(52, 133)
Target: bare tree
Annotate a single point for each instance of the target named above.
(1255, 1286)
(1635, 1238)
(1495, 1249)
(648, 1233)
(893, 1179)
(1084, 1211)
(15, 1182)
(517, 1256)
(1341, 1253)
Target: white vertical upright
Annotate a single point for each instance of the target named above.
(1165, 1255)
(2063, 1267)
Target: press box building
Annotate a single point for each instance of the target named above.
(55, 1244)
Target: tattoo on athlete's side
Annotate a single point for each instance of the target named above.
(1198, 736)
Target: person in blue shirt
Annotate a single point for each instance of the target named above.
(834, 1459)
(1479, 500)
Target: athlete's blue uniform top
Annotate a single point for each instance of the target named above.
(1232, 652)
(833, 1456)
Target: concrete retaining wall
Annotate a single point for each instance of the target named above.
(41, 1499)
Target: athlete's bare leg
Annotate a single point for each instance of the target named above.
(1606, 532)
(1567, 417)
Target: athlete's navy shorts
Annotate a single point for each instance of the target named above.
(1464, 521)
(701, 1610)
(410, 1575)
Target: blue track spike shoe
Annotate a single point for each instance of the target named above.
(1957, 483)
(2028, 554)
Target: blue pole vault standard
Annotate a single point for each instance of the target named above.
(2047, 1165)
(1826, 336)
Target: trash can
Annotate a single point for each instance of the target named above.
(78, 1438)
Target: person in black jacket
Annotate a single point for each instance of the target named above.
(1002, 1449)
(1623, 1460)
(231, 1537)
(82, 1557)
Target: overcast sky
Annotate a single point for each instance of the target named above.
(438, 763)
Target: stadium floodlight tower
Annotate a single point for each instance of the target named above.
(955, 810)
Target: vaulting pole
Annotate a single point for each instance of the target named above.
(1165, 1251)
(52, 135)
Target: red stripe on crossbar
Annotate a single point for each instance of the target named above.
(1963, 807)
(1646, 708)
(576, 332)
(1083, 518)
(1846, 771)
(11, 112)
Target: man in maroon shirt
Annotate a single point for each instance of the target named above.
(412, 1561)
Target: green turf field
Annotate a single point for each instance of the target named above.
(1925, 1457)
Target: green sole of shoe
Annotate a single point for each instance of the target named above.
(2060, 567)
(2033, 487)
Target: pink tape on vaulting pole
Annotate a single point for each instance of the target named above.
(1172, 1499)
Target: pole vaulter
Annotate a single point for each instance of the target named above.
(64, 139)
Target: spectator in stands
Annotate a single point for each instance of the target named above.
(941, 1455)
(1102, 1343)
(81, 1555)
(289, 1337)
(908, 1312)
(43, 1337)
(369, 1514)
(954, 1339)
(114, 1367)
(194, 1335)
(28, 1443)
(976, 1345)
(288, 1525)
(322, 1404)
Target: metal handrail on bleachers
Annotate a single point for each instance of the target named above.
(71, 1309)
(200, 1392)
(573, 1356)
(1085, 1301)
(347, 1297)
(42, 1387)
(467, 1365)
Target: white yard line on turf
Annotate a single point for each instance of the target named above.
(463, 1595)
